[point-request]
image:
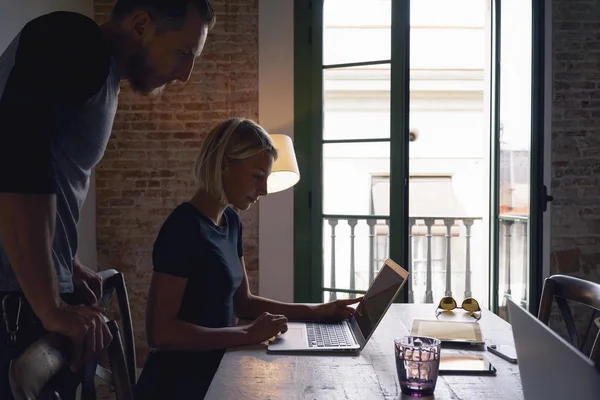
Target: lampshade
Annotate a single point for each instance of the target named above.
(285, 172)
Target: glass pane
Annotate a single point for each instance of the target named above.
(455, 48)
(329, 296)
(515, 146)
(356, 31)
(356, 102)
(351, 178)
(354, 249)
(449, 150)
(448, 34)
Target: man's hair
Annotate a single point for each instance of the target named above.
(234, 139)
(171, 14)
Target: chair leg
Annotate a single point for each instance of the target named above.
(118, 365)
(88, 381)
(48, 394)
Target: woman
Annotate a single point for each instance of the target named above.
(199, 281)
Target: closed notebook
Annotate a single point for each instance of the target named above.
(449, 332)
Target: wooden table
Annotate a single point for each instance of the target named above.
(252, 373)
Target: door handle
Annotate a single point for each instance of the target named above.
(546, 198)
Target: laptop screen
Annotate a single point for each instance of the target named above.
(376, 301)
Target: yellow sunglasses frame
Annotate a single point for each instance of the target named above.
(469, 304)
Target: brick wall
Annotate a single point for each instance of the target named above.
(576, 141)
(147, 168)
(576, 138)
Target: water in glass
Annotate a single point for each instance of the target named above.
(417, 364)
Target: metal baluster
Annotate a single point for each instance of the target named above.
(352, 223)
(333, 223)
(525, 293)
(468, 223)
(507, 238)
(428, 291)
(411, 223)
(448, 222)
(372, 256)
(387, 239)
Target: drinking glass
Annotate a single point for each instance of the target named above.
(417, 364)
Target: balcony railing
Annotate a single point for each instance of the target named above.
(448, 233)
(514, 258)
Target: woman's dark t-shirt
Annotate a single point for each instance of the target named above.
(191, 246)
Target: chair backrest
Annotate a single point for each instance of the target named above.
(114, 282)
(563, 288)
(30, 373)
(118, 365)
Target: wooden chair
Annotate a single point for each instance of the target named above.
(564, 288)
(113, 282)
(30, 373)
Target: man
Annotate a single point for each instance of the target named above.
(59, 83)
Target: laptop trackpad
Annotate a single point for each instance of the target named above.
(293, 339)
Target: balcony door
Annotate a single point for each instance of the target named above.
(406, 127)
(519, 197)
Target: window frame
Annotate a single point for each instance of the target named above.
(308, 128)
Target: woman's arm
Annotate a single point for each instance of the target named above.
(165, 331)
(249, 306)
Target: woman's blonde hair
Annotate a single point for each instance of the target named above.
(234, 139)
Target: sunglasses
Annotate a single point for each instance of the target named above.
(447, 303)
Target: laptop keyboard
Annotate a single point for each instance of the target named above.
(328, 335)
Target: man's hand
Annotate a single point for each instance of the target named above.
(87, 329)
(87, 282)
(334, 311)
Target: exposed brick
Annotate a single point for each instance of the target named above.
(147, 167)
(575, 145)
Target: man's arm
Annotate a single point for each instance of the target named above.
(87, 282)
(27, 232)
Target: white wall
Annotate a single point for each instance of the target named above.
(13, 15)
(276, 115)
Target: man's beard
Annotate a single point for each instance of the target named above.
(140, 73)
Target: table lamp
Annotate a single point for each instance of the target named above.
(285, 172)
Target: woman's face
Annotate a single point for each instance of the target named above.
(244, 181)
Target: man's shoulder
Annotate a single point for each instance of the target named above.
(65, 33)
(64, 50)
(64, 21)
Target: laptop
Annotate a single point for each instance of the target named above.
(350, 335)
(550, 367)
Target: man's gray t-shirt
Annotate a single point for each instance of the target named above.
(58, 97)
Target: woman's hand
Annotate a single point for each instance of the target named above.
(266, 326)
(334, 311)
